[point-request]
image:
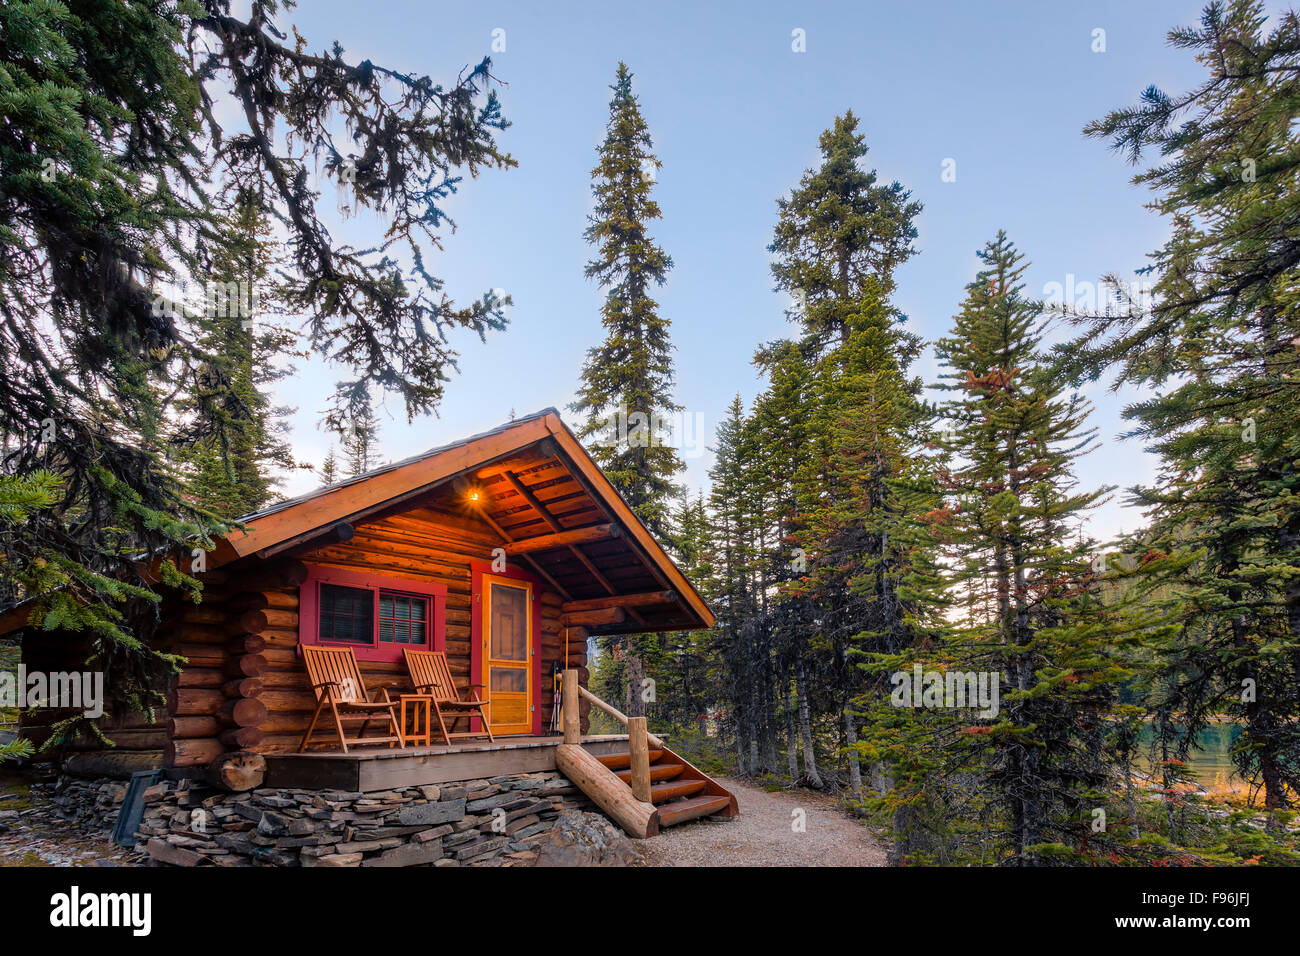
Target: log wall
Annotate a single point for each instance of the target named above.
(245, 688)
(421, 545)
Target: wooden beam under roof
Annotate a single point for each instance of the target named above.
(561, 539)
(620, 600)
(526, 493)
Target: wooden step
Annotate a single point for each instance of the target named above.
(623, 760)
(673, 813)
(666, 771)
(672, 789)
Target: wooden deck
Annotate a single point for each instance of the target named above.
(383, 768)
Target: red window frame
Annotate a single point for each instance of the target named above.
(389, 652)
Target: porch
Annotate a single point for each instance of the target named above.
(383, 768)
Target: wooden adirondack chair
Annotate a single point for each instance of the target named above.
(336, 681)
(431, 675)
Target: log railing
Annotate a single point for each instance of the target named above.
(637, 816)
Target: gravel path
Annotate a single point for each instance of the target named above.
(764, 834)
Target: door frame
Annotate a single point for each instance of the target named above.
(481, 575)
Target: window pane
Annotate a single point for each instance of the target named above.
(403, 619)
(509, 680)
(346, 614)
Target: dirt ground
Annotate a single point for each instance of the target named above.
(766, 834)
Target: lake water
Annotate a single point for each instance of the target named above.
(1209, 762)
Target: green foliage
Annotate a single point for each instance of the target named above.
(112, 165)
(630, 374)
(1215, 351)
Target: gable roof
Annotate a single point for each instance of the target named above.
(597, 549)
(600, 523)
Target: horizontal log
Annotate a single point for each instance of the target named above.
(288, 742)
(200, 677)
(113, 763)
(256, 600)
(198, 634)
(619, 600)
(242, 712)
(196, 702)
(285, 722)
(599, 618)
(272, 576)
(201, 655)
(192, 753)
(257, 621)
(142, 738)
(242, 738)
(562, 539)
(203, 614)
(182, 728)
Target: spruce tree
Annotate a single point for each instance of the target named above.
(359, 436)
(1010, 520)
(233, 443)
(839, 237)
(329, 468)
(1215, 347)
(626, 382)
(110, 159)
(629, 376)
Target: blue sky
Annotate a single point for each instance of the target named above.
(1001, 88)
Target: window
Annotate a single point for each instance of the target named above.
(375, 616)
(345, 614)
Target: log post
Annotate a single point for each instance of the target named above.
(638, 820)
(572, 722)
(639, 749)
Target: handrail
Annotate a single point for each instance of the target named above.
(616, 714)
(639, 739)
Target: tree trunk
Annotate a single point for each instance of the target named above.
(635, 686)
(850, 749)
(791, 738)
(805, 721)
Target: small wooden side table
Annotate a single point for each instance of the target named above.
(421, 705)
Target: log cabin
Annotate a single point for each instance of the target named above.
(507, 551)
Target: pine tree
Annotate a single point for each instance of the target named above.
(839, 237)
(734, 596)
(1216, 348)
(233, 445)
(1010, 520)
(360, 436)
(837, 230)
(329, 468)
(626, 381)
(110, 160)
(628, 378)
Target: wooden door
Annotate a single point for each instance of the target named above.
(507, 661)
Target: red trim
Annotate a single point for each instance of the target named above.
(309, 609)
(478, 571)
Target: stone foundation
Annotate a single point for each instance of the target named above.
(502, 821)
